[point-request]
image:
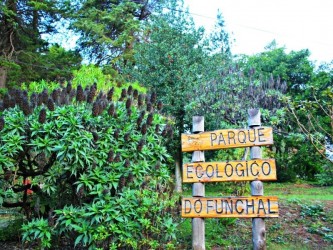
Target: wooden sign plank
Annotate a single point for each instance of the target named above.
(229, 171)
(227, 207)
(227, 138)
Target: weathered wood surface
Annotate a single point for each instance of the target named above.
(227, 207)
(229, 171)
(198, 234)
(259, 234)
(257, 187)
(227, 138)
(198, 190)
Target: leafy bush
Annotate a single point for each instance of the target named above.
(296, 158)
(38, 229)
(90, 172)
(325, 178)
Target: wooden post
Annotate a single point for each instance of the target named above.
(257, 189)
(198, 190)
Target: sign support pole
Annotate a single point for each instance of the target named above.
(198, 190)
(257, 188)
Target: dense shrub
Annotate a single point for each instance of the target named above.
(88, 170)
(325, 178)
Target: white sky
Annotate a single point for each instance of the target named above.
(295, 24)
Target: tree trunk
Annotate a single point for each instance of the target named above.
(3, 77)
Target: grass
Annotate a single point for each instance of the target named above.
(305, 221)
(303, 191)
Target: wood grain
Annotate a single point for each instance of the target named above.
(227, 207)
(229, 171)
(198, 190)
(227, 138)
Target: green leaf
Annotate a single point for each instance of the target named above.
(78, 239)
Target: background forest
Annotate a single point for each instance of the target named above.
(139, 72)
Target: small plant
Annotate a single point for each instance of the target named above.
(313, 210)
(295, 201)
(279, 240)
(315, 228)
(328, 237)
(37, 230)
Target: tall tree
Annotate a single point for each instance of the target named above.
(21, 29)
(294, 68)
(303, 123)
(313, 111)
(108, 28)
(173, 61)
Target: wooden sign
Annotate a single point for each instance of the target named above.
(237, 207)
(227, 138)
(229, 171)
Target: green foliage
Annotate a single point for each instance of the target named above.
(295, 159)
(89, 74)
(40, 86)
(108, 29)
(5, 193)
(37, 230)
(312, 210)
(294, 67)
(296, 103)
(325, 177)
(57, 64)
(312, 116)
(174, 62)
(98, 168)
(318, 215)
(171, 61)
(216, 232)
(54, 64)
(10, 225)
(22, 47)
(231, 91)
